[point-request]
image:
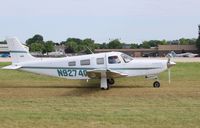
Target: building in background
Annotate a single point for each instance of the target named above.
(131, 52)
(60, 48)
(160, 51)
(3, 47)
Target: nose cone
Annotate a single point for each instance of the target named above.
(170, 64)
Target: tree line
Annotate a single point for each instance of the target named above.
(198, 43)
(76, 45)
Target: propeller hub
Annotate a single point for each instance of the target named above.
(170, 64)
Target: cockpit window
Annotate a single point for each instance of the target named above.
(126, 58)
(113, 60)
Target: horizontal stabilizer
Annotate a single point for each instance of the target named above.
(12, 67)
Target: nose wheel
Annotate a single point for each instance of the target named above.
(156, 84)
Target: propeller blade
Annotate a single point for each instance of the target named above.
(169, 64)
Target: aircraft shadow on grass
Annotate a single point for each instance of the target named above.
(75, 87)
(78, 90)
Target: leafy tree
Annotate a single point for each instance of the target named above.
(192, 41)
(77, 45)
(88, 43)
(37, 44)
(145, 44)
(97, 45)
(62, 42)
(153, 43)
(198, 44)
(48, 47)
(115, 44)
(134, 46)
(37, 47)
(103, 46)
(77, 40)
(184, 41)
(35, 38)
(71, 47)
(162, 42)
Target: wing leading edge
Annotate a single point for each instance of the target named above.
(12, 67)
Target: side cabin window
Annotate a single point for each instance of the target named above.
(72, 63)
(113, 60)
(85, 62)
(100, 61)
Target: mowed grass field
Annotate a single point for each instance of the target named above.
(28, 100)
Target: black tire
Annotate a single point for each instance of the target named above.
(110, 81)
(156, 84)
(108, 87)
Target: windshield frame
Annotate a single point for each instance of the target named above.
(126, 58)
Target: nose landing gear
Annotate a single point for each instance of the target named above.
(156, 84)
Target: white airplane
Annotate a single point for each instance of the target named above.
(187, 54)
(103, 66)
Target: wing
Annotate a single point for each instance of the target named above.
(96, 73)
(12, 67)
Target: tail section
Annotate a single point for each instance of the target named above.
(19, 53)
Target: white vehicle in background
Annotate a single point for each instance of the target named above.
(104, 66)
(187, 54)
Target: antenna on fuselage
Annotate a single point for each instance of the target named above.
(90, 50)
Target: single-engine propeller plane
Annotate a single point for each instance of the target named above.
(104, 66)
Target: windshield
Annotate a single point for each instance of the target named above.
(126, 58)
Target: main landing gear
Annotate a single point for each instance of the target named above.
(109, 82)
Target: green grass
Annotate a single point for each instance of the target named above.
(28, 100)
(2, 64)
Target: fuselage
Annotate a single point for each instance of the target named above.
(76, 67)
(186, 55)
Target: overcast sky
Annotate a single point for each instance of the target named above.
(131, 21)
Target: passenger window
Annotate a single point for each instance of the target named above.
(72, 63)
(100, 61)
(85, 62)
(113, 60)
